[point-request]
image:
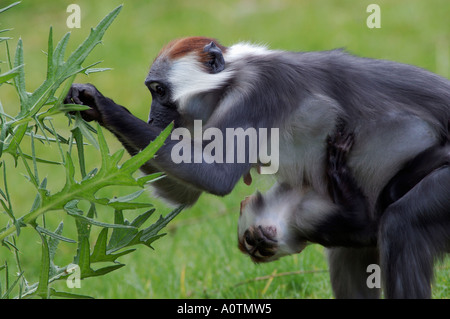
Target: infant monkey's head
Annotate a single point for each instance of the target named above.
(267, 227)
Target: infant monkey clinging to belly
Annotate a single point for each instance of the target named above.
(286, 219)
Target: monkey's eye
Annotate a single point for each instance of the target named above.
(158, 89)
(248, 239)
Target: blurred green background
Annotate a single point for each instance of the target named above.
(199, 256)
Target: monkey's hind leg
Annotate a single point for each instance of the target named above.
(414, 231)
(348, 272)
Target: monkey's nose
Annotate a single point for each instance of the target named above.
(268, 233)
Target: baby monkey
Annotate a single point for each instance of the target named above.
(286, 218)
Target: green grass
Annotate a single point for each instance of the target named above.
(199, 257)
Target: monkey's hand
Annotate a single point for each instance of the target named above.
(342, 185)
(101, 107)
(338, 147)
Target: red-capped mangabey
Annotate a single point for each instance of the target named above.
(396, 111)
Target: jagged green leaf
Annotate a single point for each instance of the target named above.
(162, 222)
(111, 172)
(10, 74)
(100, 245)
(50, 67)
(122, 238)
(70, 174)
(102, 271)
(67, 295)
(9, 7)
(139, 159)
(55, 236)
(42, 290)
(100, 253)
(5, 194)
(128, 197)
(95, 70)
(84, 257)
(19, 80)
(13, 140)
(58, 54)
(59, 71)
(124, 202)
(10, 288)
(73, 108)
(72, 209)
(41, 160)
(76, 133)
(94, 38)
(83, 128)
(149, 178)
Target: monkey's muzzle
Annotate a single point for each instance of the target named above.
(260, 243)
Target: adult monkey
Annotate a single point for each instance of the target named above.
(396, 111)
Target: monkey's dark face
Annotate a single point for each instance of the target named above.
(181, 77)
(264, 229)
(162, 111)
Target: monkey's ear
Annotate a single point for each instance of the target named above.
(244, 203)
(259, 199)
(215, 62)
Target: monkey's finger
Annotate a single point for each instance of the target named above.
(330, 140)
(77, 100)
(331, 144)
(90, 115)
(340, 155)
(73, 96)
(69, 97)
(331, 158)
(348, 143)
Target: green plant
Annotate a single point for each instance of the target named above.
(34, 123)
